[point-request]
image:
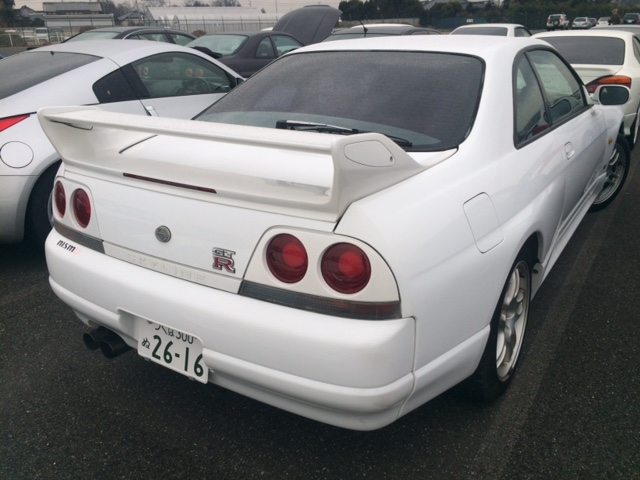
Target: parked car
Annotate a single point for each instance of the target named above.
(379, 30)
(327, 244)
(41, 35)
(147, 78)
(603, 21)
(581, 23)
(248, 52)
(593, 22)
(155, 34)
(631, 18)
(604, 56)
(557, 21)
(500, 29)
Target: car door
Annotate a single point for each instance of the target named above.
(178, 84)
(263, 55)
(573, 122)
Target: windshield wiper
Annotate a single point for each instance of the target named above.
(337, 129)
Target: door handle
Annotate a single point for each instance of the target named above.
(569, 151)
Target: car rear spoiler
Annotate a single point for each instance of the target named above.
(291, 172)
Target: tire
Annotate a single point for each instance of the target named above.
(617, 171)
(508, 327)
(39, 223)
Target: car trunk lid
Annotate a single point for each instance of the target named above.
(221, 189)
(589, 73)
(310, 24)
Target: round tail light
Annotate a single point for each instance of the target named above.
(60, 199)
(345, 268)
(81, 207)
(287, 258)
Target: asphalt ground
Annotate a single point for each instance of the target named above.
(572, 411)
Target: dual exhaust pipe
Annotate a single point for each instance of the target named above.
(109, 342)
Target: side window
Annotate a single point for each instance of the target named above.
(563, 91)
(522, 32)
(265, 49)
(176, 74)
(284, 44)
(113, 88)
(180, 39)
(154, 37)
(636, 48)
(530, 114)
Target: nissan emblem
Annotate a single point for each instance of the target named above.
(163, 234)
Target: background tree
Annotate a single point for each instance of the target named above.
(109, 7)
(6, 13)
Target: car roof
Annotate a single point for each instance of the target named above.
(120, 52)
(483, 46)
(391, 29)
(132, 29)
(600, 32)
(492, 25)
(244, 33)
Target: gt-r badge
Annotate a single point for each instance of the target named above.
(223, 260)
(163, 234)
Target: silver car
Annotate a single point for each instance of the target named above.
(129, 76)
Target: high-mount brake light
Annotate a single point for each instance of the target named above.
(11, 121)
(60, 199)
(345, 268)
(612, 80)
(287, 258)
(81, 207)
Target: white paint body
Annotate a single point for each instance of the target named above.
(442, 229)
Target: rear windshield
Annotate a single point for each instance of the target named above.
(19, 72)
(498, 31)
(421, 109)
(589, 50)
(225, 45)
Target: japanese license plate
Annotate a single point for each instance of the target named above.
(173, 349)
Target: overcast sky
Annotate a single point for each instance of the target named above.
(270, 6)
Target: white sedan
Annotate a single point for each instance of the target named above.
(132, 76)
(605, 56)
(326, 241)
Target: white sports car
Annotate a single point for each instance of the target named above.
(361, 227)
(130, 76)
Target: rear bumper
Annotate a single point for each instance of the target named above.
(350, 373)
